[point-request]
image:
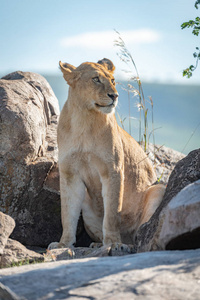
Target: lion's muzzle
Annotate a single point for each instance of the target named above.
(113, 96)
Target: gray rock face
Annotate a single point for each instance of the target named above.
(153, 276)
(181, 225)
(7, 225)
(28, 157)
(186, 172)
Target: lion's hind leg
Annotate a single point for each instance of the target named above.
(92, 222)
(152, 199)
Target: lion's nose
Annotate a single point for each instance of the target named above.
(113, 96)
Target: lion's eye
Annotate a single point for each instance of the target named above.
(113, 81)
(96, 79)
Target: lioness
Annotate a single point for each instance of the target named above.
(103, 170)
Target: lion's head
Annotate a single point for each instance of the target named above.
(92, 85)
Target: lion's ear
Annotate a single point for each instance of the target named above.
(107, 63)
(69, 73)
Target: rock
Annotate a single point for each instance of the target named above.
(28, 158)
(12, 252)
(164, 160)
(15, 253)
(7, 294)
(7, 225)
(186, 172)
(152, 275)
(181, 225)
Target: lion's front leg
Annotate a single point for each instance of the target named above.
(72, 192)
(112, 191)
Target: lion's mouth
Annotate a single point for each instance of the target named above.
(109, 105)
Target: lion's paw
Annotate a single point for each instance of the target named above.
(122, 248)
(96, 245)
(115, 248)
(53, 245)
(56, 245)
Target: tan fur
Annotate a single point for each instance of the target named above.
(103, 170)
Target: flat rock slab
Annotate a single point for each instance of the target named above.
(150, 275)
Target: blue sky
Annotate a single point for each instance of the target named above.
(35, 35)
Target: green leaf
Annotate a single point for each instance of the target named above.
(195, 31)
(187, 73)
(197, 3)
(192, 68)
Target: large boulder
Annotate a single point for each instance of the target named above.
(186, 172)
(151, 275)
(29, 113)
